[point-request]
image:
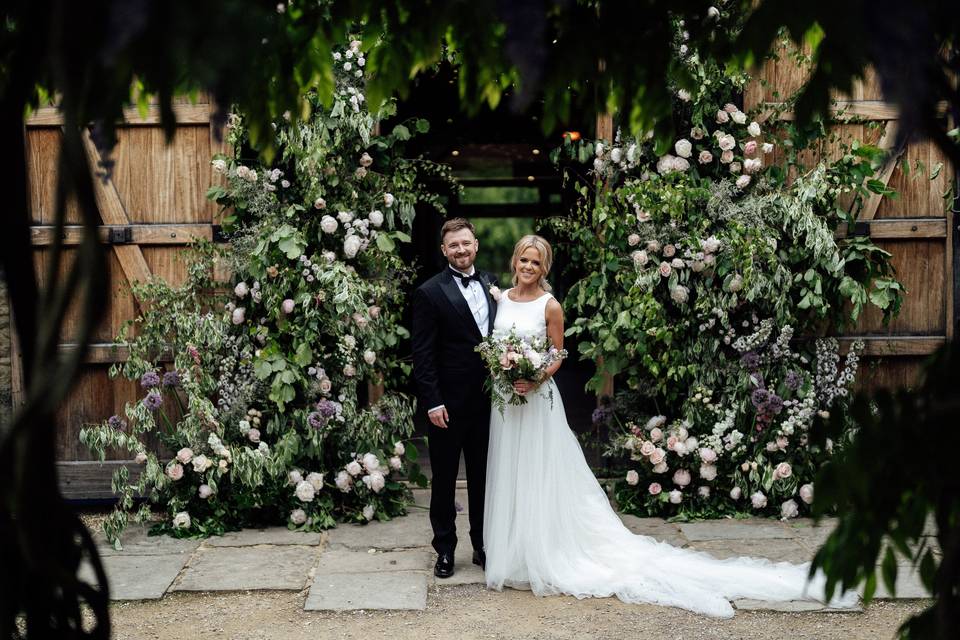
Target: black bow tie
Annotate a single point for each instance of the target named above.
(465, 279)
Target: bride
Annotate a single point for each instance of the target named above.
(548, 525)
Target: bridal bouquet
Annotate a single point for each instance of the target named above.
(511, 358)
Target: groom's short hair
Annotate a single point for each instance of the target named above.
(456, 224)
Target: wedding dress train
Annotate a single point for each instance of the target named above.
(549, 527)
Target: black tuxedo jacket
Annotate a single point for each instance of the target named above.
(446, 367)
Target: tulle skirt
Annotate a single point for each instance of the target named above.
(549, 527)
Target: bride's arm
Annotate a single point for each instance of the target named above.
(554, 314)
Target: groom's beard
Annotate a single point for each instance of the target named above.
(462, 264)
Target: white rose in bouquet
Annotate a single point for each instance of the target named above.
(298, 516)
(681, 477)
(399, 449)
(241, 290)
(633, 478)
(676, 496)
(708, 472)
(185, 455)
(704, 492)
(329, 224)
(343, 481)
(377, 481)
(305, 492)
(201, 463)
(294, 478)
(708, 455)
(660, 467)
(806, 493)
(782, 470)
(743, 181)
(181, 520)
(368, 512)
(316, 480)
(767, 147)
(388, 200)
(204, 491)
(683, 148)
(239, 315)
(370, 462)
(353, 468)
(727, 142)
(736, 493)
(376, 217)
(758, 500)
(395, 463)
(753, 129)
(739, 117)
(369, 356)
(705, 157)
(351, 246)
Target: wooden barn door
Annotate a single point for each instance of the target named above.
(151, 206)
(916, 225)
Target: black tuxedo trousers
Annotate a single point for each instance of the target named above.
(449, 372)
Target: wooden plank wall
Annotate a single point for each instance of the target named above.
(915, 225)
(159, 189)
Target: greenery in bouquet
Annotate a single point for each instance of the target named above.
(710, 269)
(287, 405)
(511, 358)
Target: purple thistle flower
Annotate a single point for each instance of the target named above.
(171, 379)
(792, 380)
(149, 380)
(153, 400)
(116, 422)
(750, 361)
(758, 397)
(383, 418)
(774, 404)
(327, 408)
(315, 420)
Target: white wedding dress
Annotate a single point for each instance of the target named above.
(549, 527)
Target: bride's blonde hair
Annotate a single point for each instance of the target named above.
(546, 257)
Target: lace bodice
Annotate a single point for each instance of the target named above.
(528, 319)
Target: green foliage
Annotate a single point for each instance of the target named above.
(892, 504)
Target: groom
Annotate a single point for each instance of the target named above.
(452, 312)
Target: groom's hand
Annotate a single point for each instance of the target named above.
(439, 417)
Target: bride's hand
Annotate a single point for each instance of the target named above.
(523, 387)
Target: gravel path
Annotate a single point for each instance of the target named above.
(473, 612)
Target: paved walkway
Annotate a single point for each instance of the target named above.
(388, 565)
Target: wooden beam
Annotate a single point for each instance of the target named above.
(90, 480)
(109, 352)
(131, 258)
(880, 346)
(17, 391)
(182, 113)
(886, 142)
(168, 234)
(841, 110)
(902, 228)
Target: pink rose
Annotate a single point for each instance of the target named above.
(750, 148)
(647, 448)
(726, 157)
(672, 442)
(633, 477)
(708, 455)
(658, 456)
(254, 435)
(665, 269)
(654, 488)
(656, 435)
(660, 467)
(633, 239)
(681, 477)
(782, 443)
(185, 455)
(723, 117)
(783, 470)
(705, 157)
(669, 250)
(175, 471)
(287, 306)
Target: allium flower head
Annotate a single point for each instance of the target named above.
(153, 400)
(116, 422)
(171, 379)
(149, 380)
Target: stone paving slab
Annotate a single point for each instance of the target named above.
(135, 540)
(749, 528)
(391, 590)
(406, 532)
(421, 497)
(279, 536)
(790, 606)
(138, 577)
(656, 528)
(465, 572)
(908, 586)
(241, 568)
(340, 559)
(775, 549)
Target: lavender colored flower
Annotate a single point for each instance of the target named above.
(327, 408)
(171, 379)
(316, 420)
(774, 404)
(792, 380)
(759, 397)
(149, 380)
(750, 361)
(153, 400)
(116, 422)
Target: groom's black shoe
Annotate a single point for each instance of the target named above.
(444, 566)
(480, 558)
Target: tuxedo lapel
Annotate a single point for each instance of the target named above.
(491, 303)
(451, 289)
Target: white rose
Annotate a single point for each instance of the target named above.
(683, 148)
(305, 492)
(298, 516)
(640, 258)
(369, 356)
(758, 500)
(316, 480)
(349, 370)
(239, 315)
(377, 481)
(681, 477)
(204, 491)
(768, 147)
(684, 95)
(722, 117)
(399, 449)
(704, 492)
(241, 290)
(705, 157)
(735, 167)
(753, 129)
(783, 470)
(633, 239)
(615, 155)
(708, 455)
(201, 463)
(370, 462)
(328, 224)
(365, 160)
(351, 246)
(660, 467)
(739, 117)
(140, 458)
(743, 181)
(319, 203)
(680, 164)
(253, 435)
(666, 165)
(676, 496)
(727, 142)
(713, 13)
(343, 481)
(294, 478)
(353, 468)
(708, 472)
(388, 200)
(185, 455)
(368, 512)
(633, 478)
(375, 217)
(752, 165)
(219, 165)
(181, 520)
(735, 493)
(395, 463)
(344, 216)
(789, 510)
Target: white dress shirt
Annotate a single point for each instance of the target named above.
(476, 299)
